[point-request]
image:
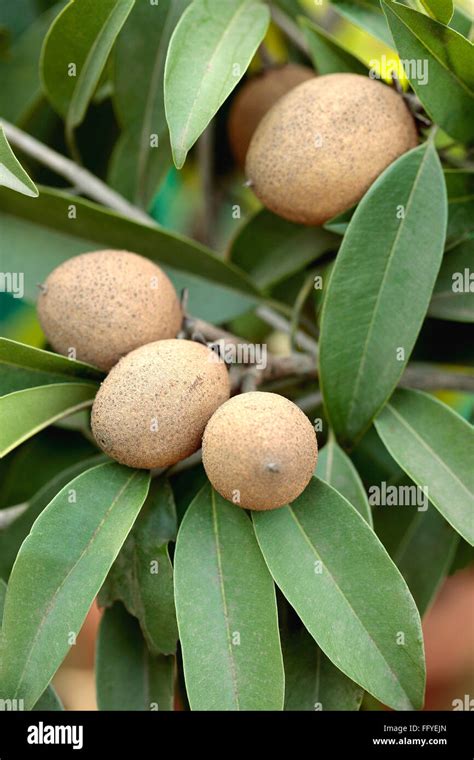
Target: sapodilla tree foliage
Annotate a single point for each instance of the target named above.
(291, 580)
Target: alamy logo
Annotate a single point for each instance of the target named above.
(399, 496)
(45, 734)
(12, 282)
(12, 705)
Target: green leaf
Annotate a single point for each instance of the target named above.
(336, 574)
(453, 296)
(433, 445)
(49, 700)
(12, 174)
(421, 543)
(70, 90)
(54, 580)
(270, 249)
(21, 92)
(448, 93)
(128, 677)
(328, 55)
(380, 289)
(23, 366)
(137, 167)
(441, 10)
(12, 537)
(40, 234)
(142, 576)
(26, 412)
(312, 682)
(335, 468)
(367, 15)
(227, 618)
(208, 54)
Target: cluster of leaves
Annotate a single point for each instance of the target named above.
(350, 595)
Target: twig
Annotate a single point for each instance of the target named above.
(81, 178)
(425, 377)
(290, 29)
(306, 403)
(280, 323)
(206, 170)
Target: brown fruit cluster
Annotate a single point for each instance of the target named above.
(321, 146)
(166, 397)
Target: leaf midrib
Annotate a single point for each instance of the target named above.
(375, 310)
(346, 600)
(217, 49)
(220, 575)
(390, 409)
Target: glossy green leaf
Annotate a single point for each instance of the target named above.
(453, 296)
(208, 55)
(312, 682)
(448, 93)
(441, 10)
(335, 468)
(328, 55)
(128, 677)
(23, 366)
(380, 289)
(49, 700)
(367, 15)
(336, 574)
(142, 576)
(137, 164)
(71, 63)
(26, 412)
(226, 611)
(41, 233)
(12, 537)
(433, 445)
(270, 249)
(12, 174)
(420, 542)
(21, 91)
(54, 581)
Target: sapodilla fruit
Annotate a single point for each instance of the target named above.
(153, 406)
(255, 99)
(318, 150)
(259, 450)
(104, 304)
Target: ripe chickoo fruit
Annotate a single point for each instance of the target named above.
(259, 450)
(318, 150)
(102, 305)
(255, 98)
(153, 406)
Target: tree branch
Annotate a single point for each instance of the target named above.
(79, 177)
(290, 29)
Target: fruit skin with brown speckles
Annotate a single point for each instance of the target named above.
(259, 450)
(152, 408)
(318, 150)
(254, 100)
(106, 303)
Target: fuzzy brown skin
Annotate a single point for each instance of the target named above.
(256, 98)
(261, 445)
(151, 410)
(106, 303)
(318, 150)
